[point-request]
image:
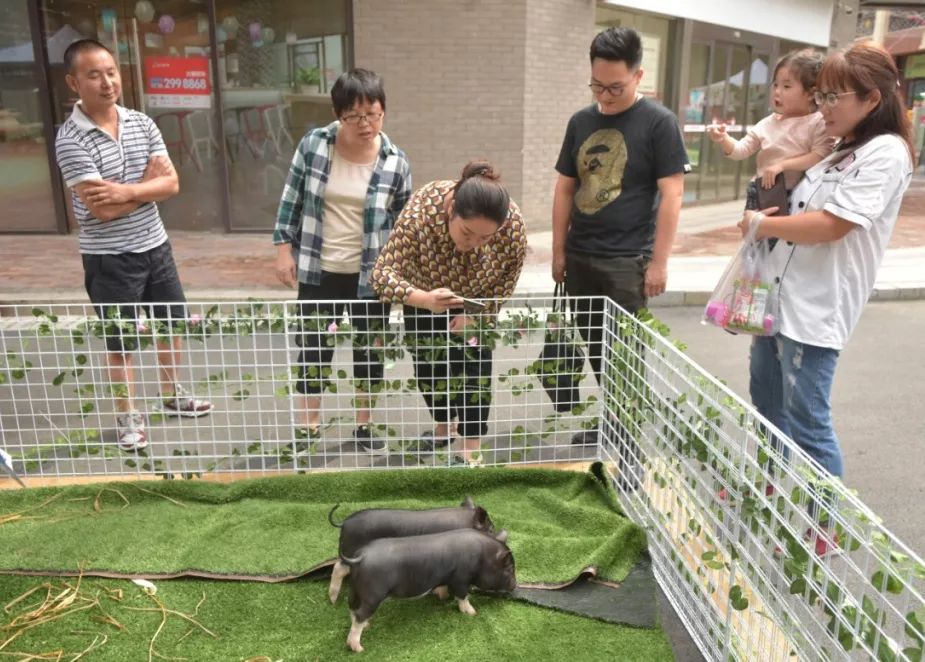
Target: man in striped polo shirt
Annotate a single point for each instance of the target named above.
(116, 164)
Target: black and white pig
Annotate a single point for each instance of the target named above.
(446, 563)
(364, 526)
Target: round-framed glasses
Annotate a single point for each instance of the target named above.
(829, 98)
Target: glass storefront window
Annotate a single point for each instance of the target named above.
(26, 195)
(727, 84)
(277, 62)
(162, 48)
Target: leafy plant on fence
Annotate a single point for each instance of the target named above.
(383, 344)
(687, 417)
(689, 420)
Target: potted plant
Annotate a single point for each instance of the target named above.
(308, 80)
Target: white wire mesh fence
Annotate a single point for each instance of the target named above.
(762, 555)
(288, 382)
(736, 515)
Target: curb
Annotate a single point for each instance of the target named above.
(670, 299)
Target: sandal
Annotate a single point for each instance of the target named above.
(458, 461)
(428, 442)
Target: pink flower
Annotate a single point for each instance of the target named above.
(195, 319)
(473, 341)
(552, 326)
(142, 328)
(377, 342)
(332, 327)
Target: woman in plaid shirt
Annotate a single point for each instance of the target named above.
(453, 239)
(346, 185)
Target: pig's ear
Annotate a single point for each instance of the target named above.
(481, 518)
(467, 502)
(501, 536)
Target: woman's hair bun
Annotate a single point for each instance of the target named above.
(480, 169)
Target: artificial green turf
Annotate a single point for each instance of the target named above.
(294, 621)
(559, 522)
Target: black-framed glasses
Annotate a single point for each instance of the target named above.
(829, 98)
(354, 118)
(615, 90)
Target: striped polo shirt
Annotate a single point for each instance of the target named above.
(85, 152)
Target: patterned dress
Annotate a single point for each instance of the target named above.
(420, 254)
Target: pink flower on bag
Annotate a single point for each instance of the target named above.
(473, 341)
(332, 327)
(142, 328)
(195, 319)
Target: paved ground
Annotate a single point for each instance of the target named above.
(237, 266)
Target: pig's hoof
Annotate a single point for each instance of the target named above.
(355, 646)
(442, 592)
(466, 608)
(333, 596)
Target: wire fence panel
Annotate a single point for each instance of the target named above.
(289, 384)
(763, 555)
(736, 514)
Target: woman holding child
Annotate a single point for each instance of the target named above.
(829, 248)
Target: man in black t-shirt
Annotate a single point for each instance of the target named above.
(617, 200)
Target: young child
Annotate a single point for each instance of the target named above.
(792, 138)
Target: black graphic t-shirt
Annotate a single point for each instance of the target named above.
(618, 160)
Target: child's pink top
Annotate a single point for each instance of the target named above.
(778, 139)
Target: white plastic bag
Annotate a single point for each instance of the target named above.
(746, 298)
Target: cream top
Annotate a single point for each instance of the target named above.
(344, 201)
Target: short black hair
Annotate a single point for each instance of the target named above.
(357, 85)
(618, 45)
(78, 47)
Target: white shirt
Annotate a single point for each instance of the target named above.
(824, 287)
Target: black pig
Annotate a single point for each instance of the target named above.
(445, 563)
(364, 526)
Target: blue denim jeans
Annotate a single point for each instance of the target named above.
(791, 385)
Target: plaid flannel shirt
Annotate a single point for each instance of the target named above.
(301, 209)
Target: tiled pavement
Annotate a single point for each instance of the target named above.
(236, 266)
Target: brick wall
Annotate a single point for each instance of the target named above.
(454, 74)
(559, 33)
(480, 79)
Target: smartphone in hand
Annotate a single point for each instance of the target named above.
(471, 306)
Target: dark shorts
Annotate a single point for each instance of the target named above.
(133, 278)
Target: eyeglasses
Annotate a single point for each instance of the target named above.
(829, 98)
(369, 118)
(615, 90)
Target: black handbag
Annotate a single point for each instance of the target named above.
(560, 366)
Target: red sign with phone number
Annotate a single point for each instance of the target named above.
(177, 82)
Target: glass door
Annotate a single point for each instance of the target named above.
(277, 61)
(731, 174)
(163, 50)
(26, 192)
(720, 89)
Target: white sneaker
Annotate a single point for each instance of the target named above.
(183, 404)
(131, 428)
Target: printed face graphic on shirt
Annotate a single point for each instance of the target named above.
(601, 162)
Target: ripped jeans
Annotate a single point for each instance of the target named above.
(791, 385)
